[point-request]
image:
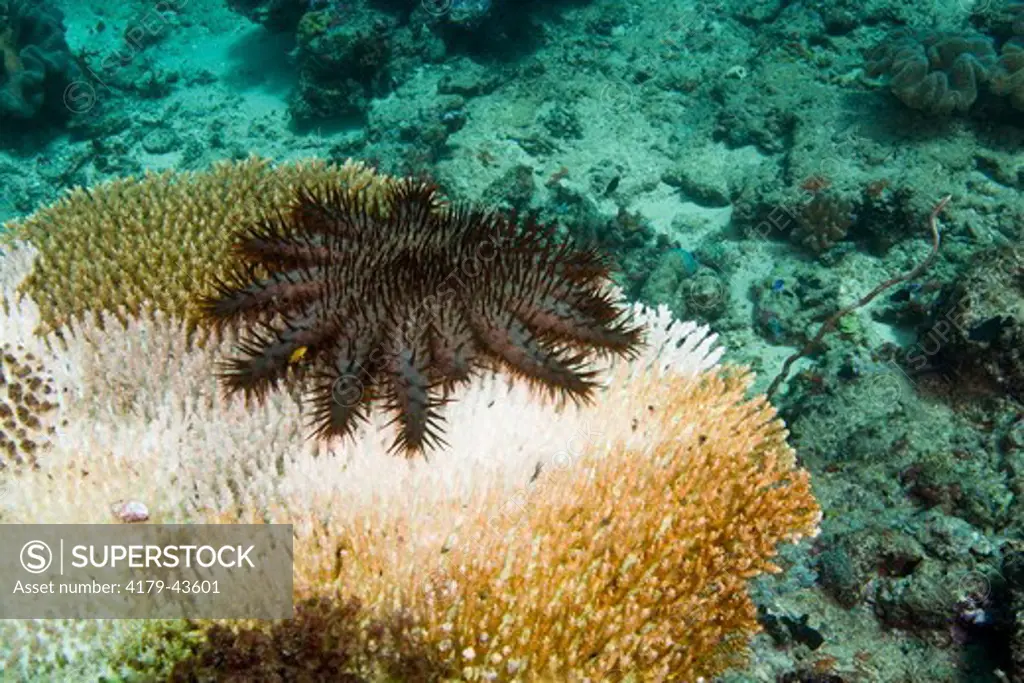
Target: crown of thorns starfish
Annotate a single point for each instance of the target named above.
(393, 304)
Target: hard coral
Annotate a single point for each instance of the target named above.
(938, 73)
(544, 546)
(28, 394)
(325, 641)
(400, 306)
(162, 238)
(823, 221)
(606, 570)
(26, 406)
(625, 559)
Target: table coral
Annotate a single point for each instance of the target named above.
(28, 394)
(938, 73)
(161, 238)
(25, 406)
(582, 543)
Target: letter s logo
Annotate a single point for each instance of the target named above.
(36, 557)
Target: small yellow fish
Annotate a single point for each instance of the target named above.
(297, 355)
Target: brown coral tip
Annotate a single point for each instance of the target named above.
(397, 303)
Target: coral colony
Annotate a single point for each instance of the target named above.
(573, 340)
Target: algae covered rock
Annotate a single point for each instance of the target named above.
(977, 329)
(688, 288)
(35, 62)
(342, 63)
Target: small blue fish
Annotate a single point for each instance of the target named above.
(690, 263)
(906, 293)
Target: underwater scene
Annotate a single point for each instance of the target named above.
(524, 340)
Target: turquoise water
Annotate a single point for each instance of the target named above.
(833, 188)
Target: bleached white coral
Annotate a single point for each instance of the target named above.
(144, 418)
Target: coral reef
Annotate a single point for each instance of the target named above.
(35, 63)
(875, 216)
(683, 138)
(349, 53)
(603, 541)
(276, 15)
(400, 307)
(823, 221)
(690, 289)
(938, 73)
(1015, 8)
(636, 573)
(783, 308)
(1011, 598)
(467, 13)
(1009, 81)
(976, 331)
(342, 56)
(164, 238)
